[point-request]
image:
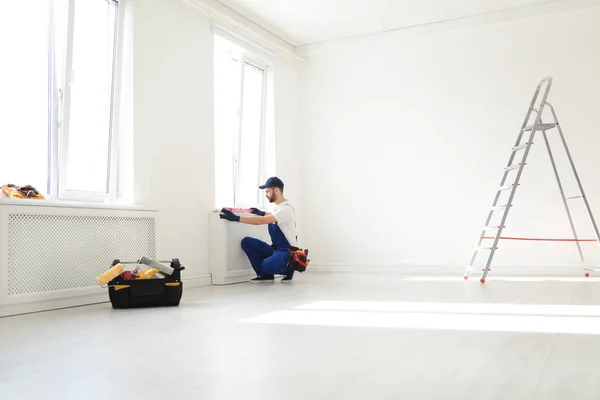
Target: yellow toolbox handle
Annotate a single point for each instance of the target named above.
(119, 287)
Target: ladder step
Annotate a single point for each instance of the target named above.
(470, 269)
(539, 127)
(574, 197)
(486, 248)
(512, 167)
(496, 208)
(505, 188)
(521, 147)
(492, 227)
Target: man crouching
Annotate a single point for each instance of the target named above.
(270, 260)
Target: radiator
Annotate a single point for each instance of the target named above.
(50, 253)
(228, 262)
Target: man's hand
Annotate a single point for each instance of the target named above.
(229, 216)
(253, 220)
(257, 211)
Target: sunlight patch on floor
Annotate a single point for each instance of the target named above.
(541, 318)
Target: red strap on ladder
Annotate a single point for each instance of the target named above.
(541, 239)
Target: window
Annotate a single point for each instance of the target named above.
(24, 99)
(240, 125)
(57, 133)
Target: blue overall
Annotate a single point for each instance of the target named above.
(266, 261)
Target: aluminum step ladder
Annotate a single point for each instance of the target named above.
(517, 162)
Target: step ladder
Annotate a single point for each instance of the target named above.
(517, 162)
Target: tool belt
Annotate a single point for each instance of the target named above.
(297, 258)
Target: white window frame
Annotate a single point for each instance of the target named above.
(61, 109)
(263, 61)
(251, 60)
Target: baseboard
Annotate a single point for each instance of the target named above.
(232, 280)
(196, 281)
(49, 305)
(443, 270)
(87, 300)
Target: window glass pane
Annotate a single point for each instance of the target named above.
(24, 115)
(227, 106)
(91, 95)
(61, 21)
(252, 119)
(239, 105)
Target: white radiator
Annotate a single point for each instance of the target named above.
(228, 262)
(55, 253)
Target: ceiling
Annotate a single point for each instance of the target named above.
(301, 22)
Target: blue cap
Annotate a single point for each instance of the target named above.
(272, 182)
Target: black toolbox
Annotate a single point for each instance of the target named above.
(147, 292)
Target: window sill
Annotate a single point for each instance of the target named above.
(71, 204)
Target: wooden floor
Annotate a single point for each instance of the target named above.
(325, 336)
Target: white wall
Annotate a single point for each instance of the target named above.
(173, 124)
(404, 144)
(174, 163)
(288, 140)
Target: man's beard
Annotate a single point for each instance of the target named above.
(271, 199)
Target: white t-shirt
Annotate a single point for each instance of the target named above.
(286, 220)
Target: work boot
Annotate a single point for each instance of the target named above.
(264, 278)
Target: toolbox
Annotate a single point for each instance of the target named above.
(165, 291)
